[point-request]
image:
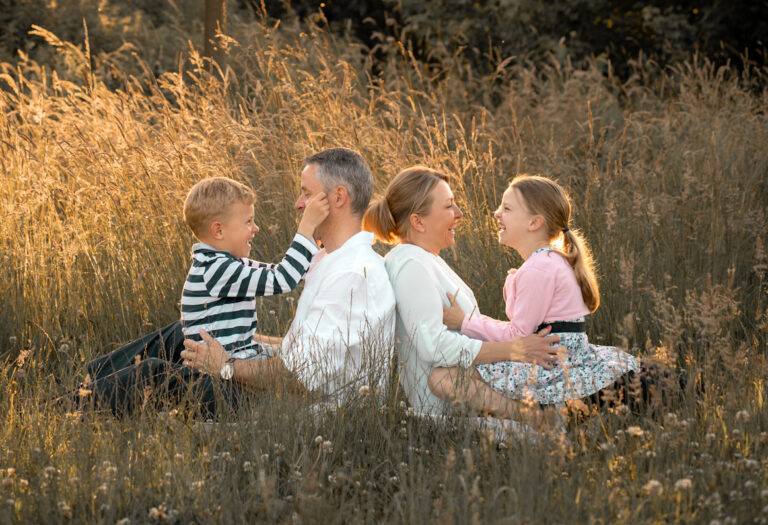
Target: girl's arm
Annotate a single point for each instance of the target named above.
(528, 301)
(420, 307)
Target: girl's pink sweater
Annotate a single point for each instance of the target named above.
(543, 289)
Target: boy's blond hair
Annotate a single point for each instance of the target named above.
(209, 200)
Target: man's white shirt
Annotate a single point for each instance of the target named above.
(342, 333)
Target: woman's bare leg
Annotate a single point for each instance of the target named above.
(468, 388)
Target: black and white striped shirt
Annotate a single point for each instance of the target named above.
(219, 292)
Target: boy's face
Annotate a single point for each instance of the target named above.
(238, 229)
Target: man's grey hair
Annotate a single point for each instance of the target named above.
(344, 167)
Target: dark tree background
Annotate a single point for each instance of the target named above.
(484, 33)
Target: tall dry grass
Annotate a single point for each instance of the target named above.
(668, 175)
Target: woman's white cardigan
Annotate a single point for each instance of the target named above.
(420, 281)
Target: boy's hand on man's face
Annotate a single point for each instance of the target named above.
(315, 212)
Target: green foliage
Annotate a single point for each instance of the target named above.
(532, 30)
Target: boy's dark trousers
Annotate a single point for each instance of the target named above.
(150, 368)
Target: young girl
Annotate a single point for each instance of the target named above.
(554, 287)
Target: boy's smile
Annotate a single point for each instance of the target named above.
(238, 229)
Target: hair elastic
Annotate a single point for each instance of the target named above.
(566, 230)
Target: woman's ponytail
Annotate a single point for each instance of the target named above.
(378, 219)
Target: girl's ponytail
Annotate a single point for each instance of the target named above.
(578, 254)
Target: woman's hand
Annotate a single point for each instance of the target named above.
(207, 356)
(538, 349)
(453, 315)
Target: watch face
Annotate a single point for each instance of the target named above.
(227, 371)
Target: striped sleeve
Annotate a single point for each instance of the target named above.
(231, 278)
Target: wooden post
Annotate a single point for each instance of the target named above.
(214, 16)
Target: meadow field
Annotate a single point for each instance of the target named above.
(668, 170)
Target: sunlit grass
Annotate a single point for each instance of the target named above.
(669, 178)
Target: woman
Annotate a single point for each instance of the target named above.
(418, 213)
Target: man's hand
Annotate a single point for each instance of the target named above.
(537, 349)
(453, 315)
(207, 356)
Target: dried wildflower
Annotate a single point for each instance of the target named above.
(103, 488)
(13, 340)
(64, 508)
(653, 488)
(635, 431)
(64, 348)
(247, 466)
(49, 471)
(84, 392)
(683, 484)
(742, 416)
(158, 513)
(279, 448)
(123, 521)
(318, 440)
(364, 390)
(393, 479)
(327, 447)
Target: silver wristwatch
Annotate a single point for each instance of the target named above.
(228, 369)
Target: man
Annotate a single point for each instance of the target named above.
(342, 332)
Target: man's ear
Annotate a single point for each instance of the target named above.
(216, 230)
(537, 221)
(338, 197)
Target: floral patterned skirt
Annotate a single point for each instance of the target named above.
(588, 369)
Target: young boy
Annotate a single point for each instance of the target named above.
(222, 283)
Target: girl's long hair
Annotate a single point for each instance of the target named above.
(545, 197)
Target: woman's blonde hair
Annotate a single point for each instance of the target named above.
(545, 197)
(388, 217)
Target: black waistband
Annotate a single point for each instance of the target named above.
(565, 327)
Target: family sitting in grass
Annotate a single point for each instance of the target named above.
(356, 307)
